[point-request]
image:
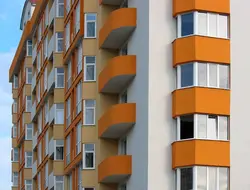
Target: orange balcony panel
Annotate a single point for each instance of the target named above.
(201, 100)
(111, 2)
(201, 48)
(117, 74)
(117, 29)
(200, 152)
(114, 123)
(181, 6)
(115, 169)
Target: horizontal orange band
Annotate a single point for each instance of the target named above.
(201, 100)
(217, 6)
(201, 48)
(200, 152)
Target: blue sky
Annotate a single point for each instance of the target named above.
(10, 14)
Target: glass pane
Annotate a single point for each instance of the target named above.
(60, 81)
(223, 26)
(187, 127)
(59, 153)
(90, 103)
(223, 179)
(59, 116)
(223, 128)
(187, 73)
(212, 24)
(89, 117)
(201, 178)
(202, 126)
(202, 23)
(59, 186)
(61, 10)
(90, 59)
(91, 29)
(89, 147)
(213, 75)
(202, 74)
(186, 179)
(90, 72)
(212, 177)
(187, 24)
(89, 160)
(212, 127)
(224, 76)
(91, 17)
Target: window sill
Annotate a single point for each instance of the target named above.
(202, 87)
(201, 36)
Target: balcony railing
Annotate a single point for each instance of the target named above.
(52, 114)
(34, 140)
(51, 180)
(52, 13)
(51, 47)
(51, 148)
(51, 80)
(34, 53)
(33, 83)
(33, 111)
(34, 169)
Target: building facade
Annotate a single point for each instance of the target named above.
(126, 95)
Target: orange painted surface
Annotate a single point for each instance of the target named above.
(115, 115)
(115, 166)
(124, 17)
(200, 152)
(217, 6)
(121, 65)
(201, 48)
(201, 100)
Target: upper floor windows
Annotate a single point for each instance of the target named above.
(79, 59)
(59, 77)
(59, 182)
(79, 98)
(205, 24)
(15, 179)
(59, 41)
(15, 82)
(28, 75)
(200, 126)
(59, 150)
(77, 19)
(69, 75)
(89, 68)
(59, 114)
(28, 184)
(68, 113)
(67, 6)
(60, 8)
(203, 74)
(67, 36)
(28, 159)
(28, 132)
(15, 155)
(28, 104)
(89, 112)
(68, 144)
(90, 25)
(78, 137)
(29, 48)
(88, 156)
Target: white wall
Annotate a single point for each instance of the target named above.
(240, 95)
(28, 8)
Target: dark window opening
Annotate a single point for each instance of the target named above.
(187, 127)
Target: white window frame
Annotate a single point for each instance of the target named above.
(15, 82)
(28, 46)
(28, 127)
(59, 182)
(195, 22)
(61, 74)
(57, 40)
(59, 110)
(79, 98)
(195, 76)
(26, 159)
(78, 138)
(84, 157)
(28, 184)
(59, 143)
(28, 75)
(28, 106)
(15, 179)
(86, 24)
(195, 135)
(15, 155)
(85, 111)
(14, 131)
(85, 69)
(58, 3)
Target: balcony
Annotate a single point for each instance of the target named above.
(34, 53)
(114, 123)
(33, 111)
(34, 140)
(51, 47)
(118, 73)
(115, 169)
(52, 13)
(111, 2)
(200, 152)
(52, 114)
(119, 26)
(51, 148)
(201, 100)
(34, 169)
(51, 80)
(51, 180)
(33, 83)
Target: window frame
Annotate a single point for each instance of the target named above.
(86, 23)
(78, 137)
(28, 46)
(28, 185)
(59, 74)
(85, 112)
(26, 159)
(28, 127)
(57, 41)
(28, 75)
(15, 155)
(84, 156)
(60, 146)
(79, 97)
(85, 69)
(58, 3)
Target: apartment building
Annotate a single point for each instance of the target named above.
(130, 94)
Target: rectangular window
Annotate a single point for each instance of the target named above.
(59, 183)
(213, 75)
(186, 127)
(187, 75)
(79, 180)
(67, 36)
(223, 76)
(39, 181)
(69, 73)
(45, 47)
(28, 75)
(15, 82)
(90, 26)
(39, 152)
(59, 150)
(78, 138)
(46, 108)
(29, 48)
(202, 23)
(38, 92)
(77, 19)
(15, 106)
(88, 156)
(223, 128)
(28, 159)
(186, 178)
(29, 131)
(201, 178)
(60, 8)
(223, 26)
(123, 97)
(223, 179)
(28, 104)
(187, 24)
(38, 62)
(79, 59)
(59, 41)
(79, 98)
(59, 77)
(39, 122)
(89, 112)
(68, 149)
(28, 184)
(15, 179)
(46, 175)
(45, 83)
(67, 6)
(46, 144)
(202, 74)
(59, 114)
(15, 154)
(68, 109)
(89, 68)
(14, 131)
(212, 24)
(123, 146)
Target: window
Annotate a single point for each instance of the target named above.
(68, 109)
(46, 175)
(46, 109)
(67, 6)
(203, 74)
(60, 8)
(29, 48)
(46, 145)
(124, 97)
(79, 98)
(28, 184)
(59, 150)
(39, 181)
(68, 150)
(28, 159)
(79, 180)
(90, 26)
(29, 131)
(15, 86)
(123, 187)
(39, 151)
(39, 122)
(59, 183)
(201, 23)
(28, 104)
(89, 112)
(45, 83)
(15, 106)
(15, 155)
(45, 47)
(28, 75)
(59, 114)
(59, 77)
(77, 19)
(79, 59)
(67, 36)
(124, 4)
(59, 41)
(215, 178)
(124, 50)
(69, 72)
(15, 179)
(78, 138)
(46, 17)
(14, 131)
(88, 156)
(89, 68)
(38, 92)
(123, 146)
(202, 127)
